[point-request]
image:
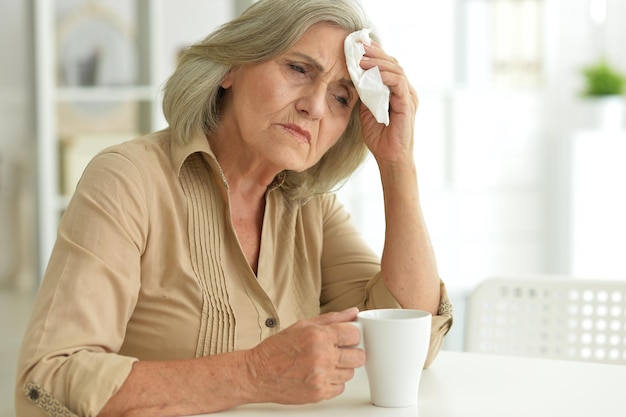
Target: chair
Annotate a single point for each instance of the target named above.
(548, 316)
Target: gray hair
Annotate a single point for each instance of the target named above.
(192, 95)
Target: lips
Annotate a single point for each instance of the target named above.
(299, 133)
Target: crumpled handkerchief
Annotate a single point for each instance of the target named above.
(369, 84)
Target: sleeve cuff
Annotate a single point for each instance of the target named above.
(81, 387)
(45, 401)
(440, 326)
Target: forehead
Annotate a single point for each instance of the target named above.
(323, 43)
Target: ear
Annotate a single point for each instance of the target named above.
(227, 81)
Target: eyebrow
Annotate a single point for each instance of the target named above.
(319, 67)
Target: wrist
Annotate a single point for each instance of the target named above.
(235, 383)
(253, 383)
(398, 173)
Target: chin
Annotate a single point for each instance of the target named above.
(290, 163)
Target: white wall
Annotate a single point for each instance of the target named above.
(573, 42)
(189, 21)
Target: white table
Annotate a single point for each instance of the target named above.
(468, 384)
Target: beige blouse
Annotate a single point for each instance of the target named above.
(147, 266)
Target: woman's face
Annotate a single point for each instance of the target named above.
(290, 110)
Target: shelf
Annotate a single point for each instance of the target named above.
(100, 66)
(100, 94)
(72, 110)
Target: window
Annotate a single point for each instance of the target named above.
(503, 43)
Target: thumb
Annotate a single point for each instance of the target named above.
(336, 317)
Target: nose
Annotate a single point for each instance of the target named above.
(312, 102)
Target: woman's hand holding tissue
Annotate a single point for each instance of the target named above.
(409, 269)
(391, 144)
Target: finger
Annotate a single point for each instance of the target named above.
(350, 358)
(342, 376)
(376, 56)
(402, 99)
(393, 76)
(384, 66)
(336, 317)
(346, 334)
(335, 390)
(375, 49)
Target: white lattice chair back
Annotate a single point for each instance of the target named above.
(553, 317)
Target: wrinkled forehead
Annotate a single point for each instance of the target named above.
(322, 46)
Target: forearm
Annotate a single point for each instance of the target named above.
(408, 263)
(185, 387)
(308, 362)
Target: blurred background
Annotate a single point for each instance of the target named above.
(521, 131)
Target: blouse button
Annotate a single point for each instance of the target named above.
(33, 394)
(271, 322)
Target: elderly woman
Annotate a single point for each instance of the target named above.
(209, 265)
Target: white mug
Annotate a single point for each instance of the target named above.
(396, 343)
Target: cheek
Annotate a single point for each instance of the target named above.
(337, 127)
(254, 90)
(270, 97)
(330, 136)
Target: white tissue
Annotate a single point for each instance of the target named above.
(369, 84)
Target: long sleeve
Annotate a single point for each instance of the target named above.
(69, 355)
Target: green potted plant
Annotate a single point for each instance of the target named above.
(603, 80)
(604, 99)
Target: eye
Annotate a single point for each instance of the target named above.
(298, 68)
(342, 96)
(344, 101)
